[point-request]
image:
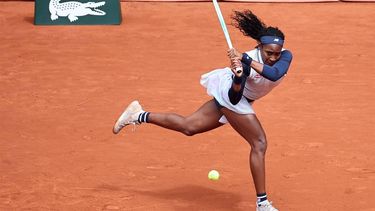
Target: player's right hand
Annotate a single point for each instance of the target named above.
(235, 66)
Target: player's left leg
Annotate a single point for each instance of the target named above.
(249, 127)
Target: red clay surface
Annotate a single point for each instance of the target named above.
(63, 87)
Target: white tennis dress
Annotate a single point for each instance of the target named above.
(219, 81)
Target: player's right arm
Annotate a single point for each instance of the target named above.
(239, 80)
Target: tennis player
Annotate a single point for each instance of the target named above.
(234, 93)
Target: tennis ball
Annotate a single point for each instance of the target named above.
(213, 175)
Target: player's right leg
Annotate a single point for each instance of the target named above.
(128, 117)
(204, 119)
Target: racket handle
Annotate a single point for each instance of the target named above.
(238, 70)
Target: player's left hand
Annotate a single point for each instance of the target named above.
(233, 53)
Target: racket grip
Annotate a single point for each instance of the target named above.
(238, 70)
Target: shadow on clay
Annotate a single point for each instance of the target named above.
(29, 20)
(192, 196)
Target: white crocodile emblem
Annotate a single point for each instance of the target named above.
(74, 9)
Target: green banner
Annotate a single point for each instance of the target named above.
(77, 12)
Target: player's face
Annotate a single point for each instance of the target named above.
(270, 53)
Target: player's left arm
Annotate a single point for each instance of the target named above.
(274, 72)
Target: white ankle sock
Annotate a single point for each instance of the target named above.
(143, 117)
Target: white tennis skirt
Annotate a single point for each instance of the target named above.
(218, 82)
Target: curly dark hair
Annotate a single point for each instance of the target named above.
(250, 25)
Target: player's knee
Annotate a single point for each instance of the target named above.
(191, 127)
(259, 145)
(189, 131)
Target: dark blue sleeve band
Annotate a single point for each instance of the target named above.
(237, 80)
(246, 59)
(234, 96)
(246, 69)
(280, 68)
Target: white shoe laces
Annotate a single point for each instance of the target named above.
(269, 206)
(134, 128)
(134, 123)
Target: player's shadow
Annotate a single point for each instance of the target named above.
(29, 19)
(192, 197)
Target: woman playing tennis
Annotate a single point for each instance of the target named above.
(234, 93)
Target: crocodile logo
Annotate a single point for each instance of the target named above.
(74, 9)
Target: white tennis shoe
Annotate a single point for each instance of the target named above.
(129, 116)
(266, 207)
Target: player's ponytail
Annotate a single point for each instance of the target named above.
(250, 25)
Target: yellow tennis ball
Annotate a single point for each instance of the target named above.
(213, 175)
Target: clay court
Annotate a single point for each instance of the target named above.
(63, 87)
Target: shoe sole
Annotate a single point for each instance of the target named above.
(124, 115)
